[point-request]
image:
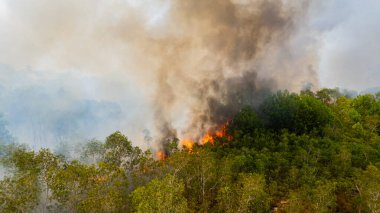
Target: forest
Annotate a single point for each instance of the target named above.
(313, 151)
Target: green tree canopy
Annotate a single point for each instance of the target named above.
(164, 195)
(297, 113)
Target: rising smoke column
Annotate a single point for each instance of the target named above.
(192, 64)
(213, 58)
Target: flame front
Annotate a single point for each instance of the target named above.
(220, 133)
(188, 144)
(160, 155)
(208, 138)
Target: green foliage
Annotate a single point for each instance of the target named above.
(328, 96)
(20, 192)
(245, 121)
(199, 172)
(78, 187)
(364, 104)
(368, 187)
(70, 184)
(246, 195)
(164, 195)
(308, 152)
(93, 151)
(119, 151)
(297, 113)
(107, 190)
(117, 147)
(320, 198)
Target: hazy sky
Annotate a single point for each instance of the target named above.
(350, 54)
(68, 71)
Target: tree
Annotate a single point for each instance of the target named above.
(318, 198)
(47, 161)
(245, 121)
(198, 172)
(80, 187)
(107, 190)
(364, 104)
(160, 195)
(328, 96)
(246, 195)
(300, 114)
(368, 187)
(120, 152)
(20, 192)
(70, 183)
(93, 151)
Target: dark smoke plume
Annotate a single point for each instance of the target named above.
(213, 58)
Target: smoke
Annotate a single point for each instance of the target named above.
(49, 111)
(185, 66)
(224, 55)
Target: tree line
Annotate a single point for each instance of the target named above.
(307, 152)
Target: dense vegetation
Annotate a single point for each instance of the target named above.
(308, 152)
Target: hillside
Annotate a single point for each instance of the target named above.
(308, 152)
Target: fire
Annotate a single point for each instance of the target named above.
(220, 133)
(160, 155)
(188, 144)
(208, 138)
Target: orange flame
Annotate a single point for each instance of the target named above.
(188, 144)
(220, 133)
(160, 155)
(208, 138)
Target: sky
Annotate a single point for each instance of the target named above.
(72, 70)
(349, 56)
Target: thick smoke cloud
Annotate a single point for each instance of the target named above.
(222, 56)
(174, 67)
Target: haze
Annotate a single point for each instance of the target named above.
(79, 69)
